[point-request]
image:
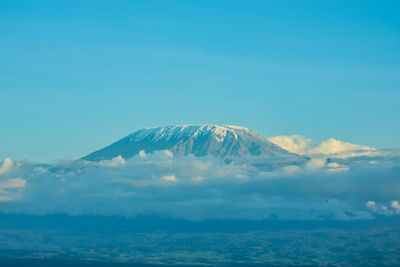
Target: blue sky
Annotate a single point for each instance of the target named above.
(78, 75)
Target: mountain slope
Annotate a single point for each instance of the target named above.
(201, 140)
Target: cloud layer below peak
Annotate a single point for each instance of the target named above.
(201, 188)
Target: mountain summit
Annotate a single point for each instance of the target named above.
(223, 141)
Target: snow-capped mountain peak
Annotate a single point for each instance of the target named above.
(223, 141)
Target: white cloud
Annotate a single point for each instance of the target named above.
(142, 154)
(6, 166)
(115, 162)
(294, 144)
(12, 183)
(316, 163)
(169, 178)
(383, 209)
(333, 146)
(371, 204)
(396, 206)
(167, 153)
(199, 165)
(304, 146)
(203, 188)
(336, 167)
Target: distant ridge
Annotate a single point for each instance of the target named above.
(222, 141)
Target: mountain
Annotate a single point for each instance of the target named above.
(223, 141)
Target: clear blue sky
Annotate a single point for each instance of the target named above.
(78, 75)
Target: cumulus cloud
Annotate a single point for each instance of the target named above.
(294, 144)
(391, 208)
(142, 154)
(6, 166)
(115, 162)
(304, 146)
(370, 204)
(200, 188)
(169, 178)
(396, 207)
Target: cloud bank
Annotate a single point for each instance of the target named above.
(332, 147)
(202, 188)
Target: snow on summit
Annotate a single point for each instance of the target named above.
(223, 141)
